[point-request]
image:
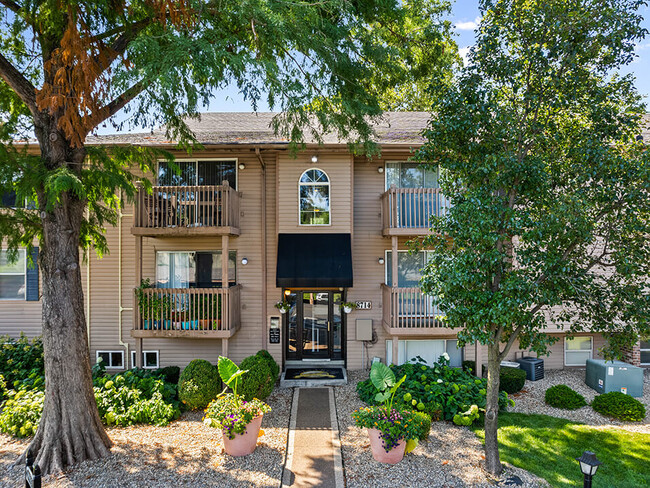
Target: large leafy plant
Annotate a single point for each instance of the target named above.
(383, 379)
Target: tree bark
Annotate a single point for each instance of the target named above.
(492, 461)
(70, 429)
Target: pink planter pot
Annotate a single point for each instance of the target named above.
(393, 456)
(244, 444)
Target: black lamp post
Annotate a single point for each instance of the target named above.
(588, 465)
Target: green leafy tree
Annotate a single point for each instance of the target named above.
(550, 190)
(67, 67)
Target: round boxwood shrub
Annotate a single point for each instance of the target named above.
(619, 405)
(275, 369)
(259, 381)
(511, 380)
(561, 396)
(199, 384)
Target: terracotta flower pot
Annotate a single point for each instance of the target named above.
(244, 444)
(393, 456)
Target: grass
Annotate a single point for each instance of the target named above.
(547, 446)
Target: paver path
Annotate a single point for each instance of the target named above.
(314, 450)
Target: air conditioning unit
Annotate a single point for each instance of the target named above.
(605, 376)
(534, 367)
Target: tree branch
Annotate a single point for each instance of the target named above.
(18, 83)
(13, 6)
(114, 106)
(119, 45)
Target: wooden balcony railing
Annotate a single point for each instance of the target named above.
(187, 312)
(406, 211)
(187, 210)
(407, 311)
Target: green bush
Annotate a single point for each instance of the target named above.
(19, 358)
(275, 369)
(3, 388)
(435, 390)
(561, 396)
(198, 384)
(422, 422)
(619, 405)
(511, 380)
(169, 374)
(259, 381)
(21, 412)
(469, 366)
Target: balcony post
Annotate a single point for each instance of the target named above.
(395, 349)
(394, 266)
(136, 308)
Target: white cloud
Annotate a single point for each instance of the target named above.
(463, 52)
(471, 25)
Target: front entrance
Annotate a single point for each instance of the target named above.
(314, 325)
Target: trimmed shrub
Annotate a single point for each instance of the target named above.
(169, 374)
(199, 384)
(422, 423)
(21, 412)
(561, 396)
(619, 405)
(259, 381)
(275, 369)
(511, 380)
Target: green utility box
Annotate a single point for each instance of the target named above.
(605, 376)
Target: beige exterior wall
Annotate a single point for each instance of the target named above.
(356, 187)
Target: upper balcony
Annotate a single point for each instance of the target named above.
(408, 312)
(191, 313)
(179, 211)
(406, 211)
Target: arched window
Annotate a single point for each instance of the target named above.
(314, 198)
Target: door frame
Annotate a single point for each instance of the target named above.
(298, 356)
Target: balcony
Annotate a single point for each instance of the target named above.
(408, 312)
(406, 211)
(179, 211)
(193, 313)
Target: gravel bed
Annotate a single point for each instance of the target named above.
(451, 457)
(531, 400)
(186, 453)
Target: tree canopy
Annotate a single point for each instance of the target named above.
(549, 188)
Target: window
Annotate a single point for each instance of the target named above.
(429, 350)
(149, 359)
(111, 359)
(645, 351)
(314, 198)
(201, 173)
(409, 268)
(12, 276)
(410, 175)
(193, 269)
(577, 351)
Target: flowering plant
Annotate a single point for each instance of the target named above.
(229, 411)
(393, 427)
(232, 414)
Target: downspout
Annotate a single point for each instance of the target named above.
(263, 218)
(120, 308)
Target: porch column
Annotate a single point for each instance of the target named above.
(478, 360)
(136, 308)
(394, 261)
(224, 347)
(395, 349)
(225, 251)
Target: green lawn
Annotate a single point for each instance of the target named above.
(548, 446)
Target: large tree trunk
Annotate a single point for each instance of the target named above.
(492, 461)
(70, 430)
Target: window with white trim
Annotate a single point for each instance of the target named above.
(645, 351)
(578, 350)
(111, 359)
(12, 276)
(429, 350)
(190, 269)
(314, 189)
(150, 359)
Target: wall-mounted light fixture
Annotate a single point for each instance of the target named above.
(242, 166)
(314, 159)
(380, 169)
(381, 261)
(244, 261)
(287, 292)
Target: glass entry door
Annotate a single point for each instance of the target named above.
(314, 325)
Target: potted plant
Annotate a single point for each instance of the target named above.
(283, 306)
(239, 420)
(347, 307)
(154, 309)
(389, 429)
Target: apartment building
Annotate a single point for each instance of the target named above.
(197, 266)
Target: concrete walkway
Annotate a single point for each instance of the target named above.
(314, 448)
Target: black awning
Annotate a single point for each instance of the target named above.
(314, 260)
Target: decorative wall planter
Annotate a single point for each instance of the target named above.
(393, 456)
(244, 444)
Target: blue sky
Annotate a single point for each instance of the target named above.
(465, 16)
